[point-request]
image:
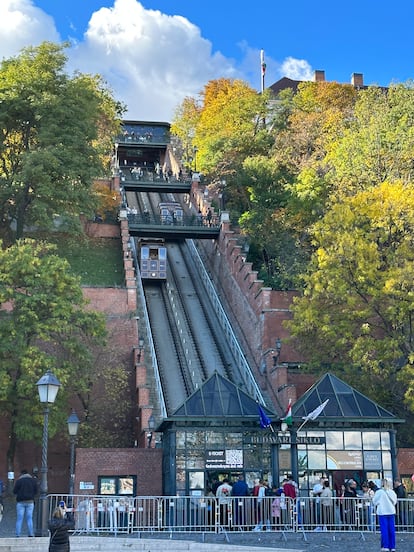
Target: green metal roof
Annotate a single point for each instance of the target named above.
(218, 397)
(345, 402)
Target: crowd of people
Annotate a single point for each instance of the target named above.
(364, 507)
(258, 510)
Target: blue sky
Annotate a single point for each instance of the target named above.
(153, 53)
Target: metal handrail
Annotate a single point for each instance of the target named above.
(231, 338)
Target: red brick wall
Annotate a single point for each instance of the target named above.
(145, 464)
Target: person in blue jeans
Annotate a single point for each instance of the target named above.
(385, 501)
(25, 489)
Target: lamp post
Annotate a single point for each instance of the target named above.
(277, 355)
(140, 349)
(73, 426)
(222, 197)
(195, 150)
(151, 427)
(47, 386)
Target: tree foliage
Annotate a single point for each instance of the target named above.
(56, 134)
(356, 313)
(45, 324)
(378, 144)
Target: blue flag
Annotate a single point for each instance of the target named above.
(265, 421)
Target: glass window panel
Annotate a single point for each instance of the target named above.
(195, 439)
(316, 434)
(367, 407)
(214, 438)
(196, 480)
(195, 459)
(233, 439)
(334, 440)
(325, 386)
(386, 461)
(302, 460)
(195, 407)
(316, 460)
(180, 439)
(107, 486)
(126, 486)
(352, 440)
(253, 456)
(349, 405)
(266, 457)
(385, 440)
(180, 462)
(371, 440)
(180, 480)
(251, 476)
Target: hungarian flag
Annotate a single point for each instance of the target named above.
(288, 415)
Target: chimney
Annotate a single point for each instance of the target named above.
(319, 76)
(357, 80)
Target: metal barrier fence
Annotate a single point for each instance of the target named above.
(103, 514)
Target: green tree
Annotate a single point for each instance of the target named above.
(45, 324)
(287, 187)
(378, 144)
(56, 135)
(356, 313)
(184, 125)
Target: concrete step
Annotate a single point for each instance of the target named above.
(121, 544)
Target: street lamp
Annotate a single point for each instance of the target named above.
(222, 197)
(73, 426)
(47, 386)
(140, 349)
(151, 427)
(277, 355)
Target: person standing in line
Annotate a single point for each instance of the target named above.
(59, 526)
(261, 493)
(316, 500)
(25, 489)
(402, 505)
(385, 501)
(240, 489)
(223, 494)
(327, 506)
(350, 504)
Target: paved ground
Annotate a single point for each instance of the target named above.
(309, 542)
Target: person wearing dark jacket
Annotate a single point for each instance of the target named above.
(59, 527)
(25, 489)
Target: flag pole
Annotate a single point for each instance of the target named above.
(263, 69)
(301, 425)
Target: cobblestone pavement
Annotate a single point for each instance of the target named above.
(352, 541)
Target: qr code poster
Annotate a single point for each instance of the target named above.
(234, 458)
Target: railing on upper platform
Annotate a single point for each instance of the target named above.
(186, 226)
(122, 514)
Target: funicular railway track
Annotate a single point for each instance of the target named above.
(188, 341)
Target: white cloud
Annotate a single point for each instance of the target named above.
(297, 69)
(151, 60)
(22, 24)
